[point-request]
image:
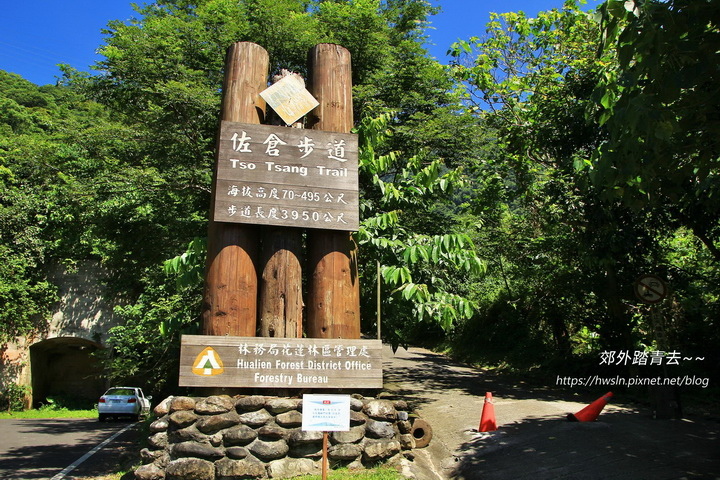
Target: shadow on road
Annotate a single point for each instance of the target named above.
(436, 372)
(41, 448)
(619, 445)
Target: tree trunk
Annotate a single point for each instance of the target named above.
(281, 304)
(230, 298)
(334, 289)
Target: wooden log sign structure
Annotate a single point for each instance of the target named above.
(270, 185)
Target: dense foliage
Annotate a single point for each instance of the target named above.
(509, 200)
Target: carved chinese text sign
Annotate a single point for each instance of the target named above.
(271, 175)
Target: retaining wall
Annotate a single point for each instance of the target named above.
(224, 438)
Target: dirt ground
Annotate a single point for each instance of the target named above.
(534, 439)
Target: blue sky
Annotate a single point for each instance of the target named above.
(36, 35)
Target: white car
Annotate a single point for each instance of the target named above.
(123, 402)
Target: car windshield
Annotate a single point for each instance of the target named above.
(120, 391)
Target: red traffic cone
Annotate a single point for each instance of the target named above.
(592, 411)
(487, 420)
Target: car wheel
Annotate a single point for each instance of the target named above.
(102, 417)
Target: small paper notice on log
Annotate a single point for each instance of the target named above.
(289, 98)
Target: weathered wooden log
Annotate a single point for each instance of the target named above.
(333, 305)
(231, 280)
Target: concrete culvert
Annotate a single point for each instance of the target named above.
(421, 432)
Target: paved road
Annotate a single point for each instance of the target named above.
(534, 440)
(42, 448)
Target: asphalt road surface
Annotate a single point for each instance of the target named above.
(534, 441)
(43, 448)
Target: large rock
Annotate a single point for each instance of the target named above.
(301, 436)
(376, 450)
(240, 435)
(306, 450)
(282, 405)
(381, 410)
(356, 404)
(237, 453)
(160, 425)
(182, 403)
(149, 472)
(273, 432)
(153, 456)
(158, 441)
(255, 419)
(292, 467)
(291, 419)
(344, 451)
(163, 408)
(250, 404)
(214, 423)
(228, 469)
(354, 435)
(378, 429)
(190, 469)
(182, 418)
(269, 450)
(189, 434)
(215, 404)
(192, 449)
(357, 418)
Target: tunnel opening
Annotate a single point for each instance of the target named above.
(65, 373)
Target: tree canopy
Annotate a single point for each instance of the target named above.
(509, 200)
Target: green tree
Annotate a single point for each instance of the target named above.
(564, 258)
(658, 102)
(161, 78)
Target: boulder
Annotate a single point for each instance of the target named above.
(266, 450)
(240, 435)
(282, 405)
(250, 404)
(380, 410)
(190, 469)
(215, 404)
(354, 435)
(182, 418)
(197, 450)
(149, 472)
(378, 429)
(182, 403)
(214, 423)
(292, 467)
(376, 450)
(255, 419)
(229, 469)
(344, 451)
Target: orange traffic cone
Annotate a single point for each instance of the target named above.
(592, 411)
(487, 420)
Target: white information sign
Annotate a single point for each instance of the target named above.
(326, 413)
(289, 98)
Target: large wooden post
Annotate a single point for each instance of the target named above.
(281, 295)
(333, 306)
(230, 298)
(281, 304)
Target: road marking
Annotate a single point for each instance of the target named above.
(89, 454)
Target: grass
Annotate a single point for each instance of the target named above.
(46, 412)
(379, 473)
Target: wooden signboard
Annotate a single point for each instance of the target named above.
(269, 175)
(259, 362)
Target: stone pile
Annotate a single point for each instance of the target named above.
(224, 438)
